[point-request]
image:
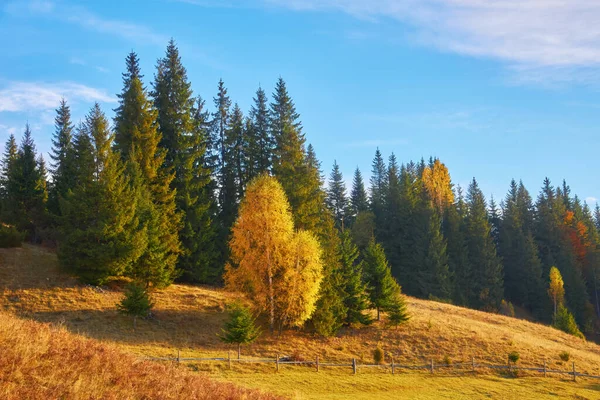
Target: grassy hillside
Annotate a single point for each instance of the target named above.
(38, 361)
(188, 318)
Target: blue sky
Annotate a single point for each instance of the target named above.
(496, 89)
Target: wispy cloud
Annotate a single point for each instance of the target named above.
(540, 39)
(591, 200)
(30, 96)
(80, 16)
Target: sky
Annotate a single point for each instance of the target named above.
(497, 89)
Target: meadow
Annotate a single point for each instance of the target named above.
(188, 318)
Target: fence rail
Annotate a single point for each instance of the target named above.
(431, 366)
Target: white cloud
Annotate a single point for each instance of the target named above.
(543, 38)
(78, 15)
(29, 96)
(591, 200)
(77, 61)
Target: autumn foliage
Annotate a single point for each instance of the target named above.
(278, 268)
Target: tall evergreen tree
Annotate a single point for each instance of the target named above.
(358, 195)
(382, 287)
(9, 159)
(261, 142)
(62, 157)
(291, 164)
(100, 230)
(356, 298)
(522, 268)
(458, 260)
(137, 140)
(378, 188)
(27, 189)
(185, 147)
(337, 200)
(487, 272)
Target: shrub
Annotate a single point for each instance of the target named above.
(10, 236)
(565, 356)
(136, 302)
(565, 321)
(378, 355)
(514, 357)
(447, 360)
(506, 308)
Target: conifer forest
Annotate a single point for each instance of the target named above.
(183, 188)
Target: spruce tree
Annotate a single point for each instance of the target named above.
(101, 236)
(522, 268)
(27, 188)
(137, 140)
(356, 298)
(185, 143)
(487, 276)
(434, 275)
(136, 302)
(378, 188)
(382, 287)
(458, 261)
(62, 154)
(358, 195)
(261, 141)
(9, 159)
(233, 168)
(336, 196)
(240, 328)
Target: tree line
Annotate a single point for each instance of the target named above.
(155, 196)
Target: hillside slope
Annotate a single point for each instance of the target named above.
(188, 318)
(38, 361)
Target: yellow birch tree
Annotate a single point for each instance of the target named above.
(278, 269)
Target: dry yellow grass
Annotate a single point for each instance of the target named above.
(188, 318)
(39, 361)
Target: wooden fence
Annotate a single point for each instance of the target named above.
(430, 367)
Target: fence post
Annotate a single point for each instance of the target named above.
(229, 358)
(574, 373)
(277, 363)
(354, 366)
(545, 370)
(178, 359)
(509, 369)
(317, 363)
(473, 363)
(431, 366)
(393, 367)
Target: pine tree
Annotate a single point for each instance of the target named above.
(378, 188)
(522, 267)
(62, 154)
(185, 142)
(434, 276)
(487, 275)
(137, 140)
(356, 298)
(262, 142)
(240, 328)
(564, 321)
(458, 261)
(336, 196)
(233, 168)
(27, 189)
(100, 232)
(358, 195)
(9, 159)
(382, 287)
(291, 163)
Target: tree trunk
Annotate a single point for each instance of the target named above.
(239, 350)
(134, 322)
(378, 314)
(271, 294)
